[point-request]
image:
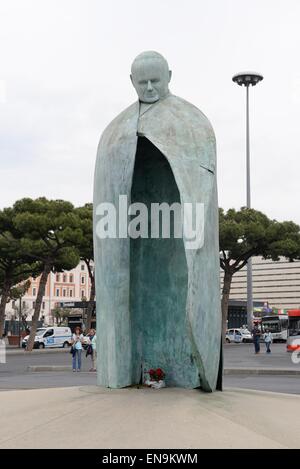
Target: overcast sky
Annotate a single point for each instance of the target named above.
(64, 75)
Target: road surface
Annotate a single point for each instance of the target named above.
(14, 374)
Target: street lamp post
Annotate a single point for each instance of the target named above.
(246, 79)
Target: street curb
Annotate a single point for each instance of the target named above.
(262, 371)
(227, 371)
(36, 351)
(37, 368)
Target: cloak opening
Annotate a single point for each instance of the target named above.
(159, 280)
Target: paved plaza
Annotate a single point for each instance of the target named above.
(148, 418)
(40, 407)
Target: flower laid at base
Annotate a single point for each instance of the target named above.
(157, 376)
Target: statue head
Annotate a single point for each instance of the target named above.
(150, 76)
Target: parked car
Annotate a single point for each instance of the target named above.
(50, 337)
(246, 335)
(238, 335)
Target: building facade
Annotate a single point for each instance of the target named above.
(277, 283)
(73, 285)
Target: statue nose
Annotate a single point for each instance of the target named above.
(149, 87)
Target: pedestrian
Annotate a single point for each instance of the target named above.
(77, 340)
(268, 340)
(92, 348)
(256, 337)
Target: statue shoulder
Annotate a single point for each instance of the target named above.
(177, 122)
(121, 123)
(190, 113)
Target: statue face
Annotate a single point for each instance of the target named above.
(150, 78)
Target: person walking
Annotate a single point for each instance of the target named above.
(268, 340)
(77, 340)
(256, 337)
(92, 348)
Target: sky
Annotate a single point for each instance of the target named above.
(64, 75)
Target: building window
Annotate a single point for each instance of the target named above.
(24, 304)
(71, 292)
(82, 266)
(82, 293)
(33, 304)
(57, 292)
(57, 277)
(33, 291)
(13, 303)
(64, 278)
(71, 278)
(43, 305)
(82, 279)
(64, 292)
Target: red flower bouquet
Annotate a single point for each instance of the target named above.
(156, 374)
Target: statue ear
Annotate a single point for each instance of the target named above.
(170, 75)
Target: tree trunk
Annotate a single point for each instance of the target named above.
(4, 298)
(37, 309)
(90, 308)
(225, 300)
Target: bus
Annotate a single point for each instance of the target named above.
(277, 325)
(293, 340)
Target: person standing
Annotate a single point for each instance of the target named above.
(268, 340)
(92, 348)
(77, 340)
(256, 337)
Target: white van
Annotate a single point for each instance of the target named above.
(51, 337)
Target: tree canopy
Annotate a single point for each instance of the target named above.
(50, 229)
(15, 265)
